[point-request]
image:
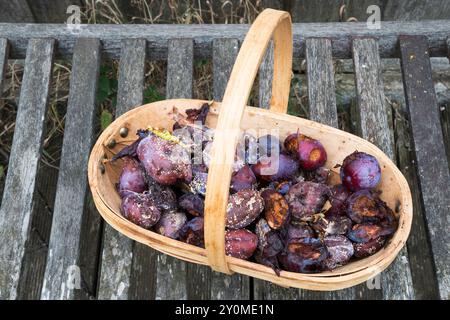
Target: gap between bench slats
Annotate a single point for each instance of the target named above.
(396, 282)
(20, 184)
(432, 167)
(70, 219)
(119, 260)
(224, 54)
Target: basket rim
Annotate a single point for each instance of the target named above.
(365, 268)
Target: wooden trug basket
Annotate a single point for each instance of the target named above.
(228, 118)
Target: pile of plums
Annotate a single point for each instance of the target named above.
(281, 212)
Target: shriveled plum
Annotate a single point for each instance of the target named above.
(363, 206)
(365, 232)
(170, 223)
(340, 250)
(332, 225)
(165, 161)
(243, 208)
(360, 171)
(140, 209)
(296, 231)
(243, 179)
(240, 243)
(308, 248)
(132, 177)
(192, 232)
(306, 198)
(192, 203)
(295, 263)
(270, 245)
(276, 208)
(363, 250)
(338, 197)
(163, 196)
(319, 175)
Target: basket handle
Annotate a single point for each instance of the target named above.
(269, 24)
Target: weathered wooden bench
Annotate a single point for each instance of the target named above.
(42, 252)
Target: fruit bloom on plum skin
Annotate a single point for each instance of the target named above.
(243, 208)
(360, 171)
(131, 178)
(170, 224)
(140, 209)
(240, 243)
(164, 161)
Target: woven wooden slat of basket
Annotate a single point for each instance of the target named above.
(228, 118)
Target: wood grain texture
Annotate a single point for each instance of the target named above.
(224, 55)
(171, 274)
(203, 35)
(117, 253)
(20, 184)
(321, 88)
(419, 249)
(396, 282)
(265, 75)
(17, 11)
(432, 166)
(4, 54)
(180, 59)
(69, 216)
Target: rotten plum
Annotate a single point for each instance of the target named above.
(270, 245)
(338, 197)
(192, 203)
(296, 231)
(243, 179)
(332, 225)
(165, 161)
(364, 206)
(140, 209)
(192, 232)
(170, 224)
(319, 175)
(240, 243)
(295, 263)
(291, 144)
(360, 171)
(243, 208)
(365, 232)
(306, 199)
(340, 250)
(363, 250)
(132, 178)
(276, 208)
(276, 168)
(311, 153)
(308, 248)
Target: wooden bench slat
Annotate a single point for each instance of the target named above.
(322, 108)
(63, 262)
(321, 88)
(396, 282)
(20, 184)
(265, 75)
(432, 167)
(419, 249)
(171, 273)
(4, 50)
(224, 54)
(117, 255)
